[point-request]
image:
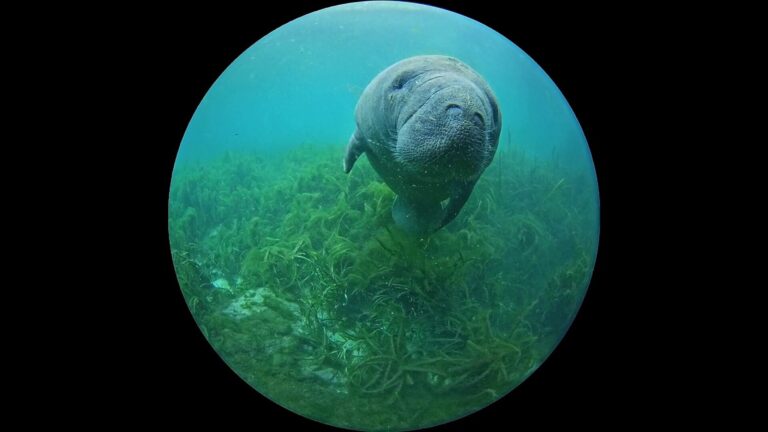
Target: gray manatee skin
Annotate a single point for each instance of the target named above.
(430, 126)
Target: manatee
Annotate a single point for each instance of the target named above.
(429, 126)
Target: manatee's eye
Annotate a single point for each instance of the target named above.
(399, 82)
(402, 79)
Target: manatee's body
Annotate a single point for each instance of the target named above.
(430, 126)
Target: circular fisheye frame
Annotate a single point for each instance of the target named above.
(383, 216)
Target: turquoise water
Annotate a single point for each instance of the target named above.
(300, 83)
(296, 273)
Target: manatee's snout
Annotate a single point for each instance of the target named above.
(464, 146)
(448, 133)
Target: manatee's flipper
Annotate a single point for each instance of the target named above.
(459, 197)
(417, 217)
(355, 148)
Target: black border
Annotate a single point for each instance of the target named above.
(593, 375)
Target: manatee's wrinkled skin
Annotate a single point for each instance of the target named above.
(430, 126)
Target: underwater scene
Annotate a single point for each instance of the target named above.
(306, 285)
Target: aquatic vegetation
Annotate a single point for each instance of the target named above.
(304, 286)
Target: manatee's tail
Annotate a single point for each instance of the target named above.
(417, 217)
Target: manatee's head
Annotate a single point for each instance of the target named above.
(447, 122)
